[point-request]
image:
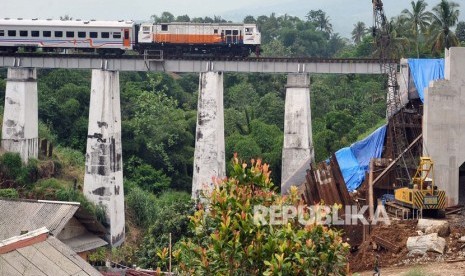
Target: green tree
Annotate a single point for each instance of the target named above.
(165, 17)
(171, 215)
(183, 18)
(397, 45)
(146, 177)
(460, 31)
(276, 48)
(249, 19)
(228, 241)
(158, 131)
(244, 145)
(321, 21)
(445, 16)
(419, 19)
(359, 32)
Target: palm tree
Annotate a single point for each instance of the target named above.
(321, 21)
(419, 19)
(359, 32)
(445, 17)
(395, 47)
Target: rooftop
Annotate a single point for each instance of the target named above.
(37, 253)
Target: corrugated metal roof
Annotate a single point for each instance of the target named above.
(50, 257)
(84, 242)
(25, 215)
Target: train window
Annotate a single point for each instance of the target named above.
(228, 32)
(146, 29)
(93, 34)
(69, 34)
(23, 33)
(35, 33)
(117, 35)
(2, 33)
(46, 33)
(164, 27)
(11, 33)
(126, 34)
(235, 32)
(82, 34)
(215, 31)
(58, 34)
(105, 35)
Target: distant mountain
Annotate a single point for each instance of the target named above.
(343, 13)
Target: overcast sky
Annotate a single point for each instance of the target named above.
(343, 13)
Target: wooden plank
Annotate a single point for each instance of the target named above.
(314, 189)
(6, 269)
(340, 183)
(319, 188)
(455, 261)
(309, 196)
(397, 159)
(331, 186)
(41, 261)
(57, 258)
(386, 244)
(61, 247)
(21, 264)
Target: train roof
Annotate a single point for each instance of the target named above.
(65, 23)
(203, 24)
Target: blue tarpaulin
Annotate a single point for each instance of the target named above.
(424, 71)
(354, 160)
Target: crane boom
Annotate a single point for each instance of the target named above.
(395, 110)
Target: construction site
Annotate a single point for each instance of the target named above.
(413, 167)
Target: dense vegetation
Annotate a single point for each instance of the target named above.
(159, 117)
(227, 236)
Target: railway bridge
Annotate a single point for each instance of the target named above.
(103, 182)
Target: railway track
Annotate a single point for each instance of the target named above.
(255, 59)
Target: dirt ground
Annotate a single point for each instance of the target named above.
(398, 263)
(433, 269)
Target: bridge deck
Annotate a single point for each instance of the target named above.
(138, 63)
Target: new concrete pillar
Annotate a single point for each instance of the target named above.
(298, 145)
(20, 130)
(103, 181)
(209, 156)
(444, 127)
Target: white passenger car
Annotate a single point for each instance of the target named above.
(50, 35)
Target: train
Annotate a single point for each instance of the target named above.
(119, 37)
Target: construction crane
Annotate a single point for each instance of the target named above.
(395, 111)
(421, 195)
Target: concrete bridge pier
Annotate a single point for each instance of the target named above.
(298, 145)
(444, 127)
(20, 130)
(103, 180)
(209, 155)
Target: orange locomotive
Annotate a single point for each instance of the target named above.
(217, 39)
